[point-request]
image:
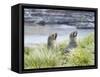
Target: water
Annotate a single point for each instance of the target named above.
(38, 35)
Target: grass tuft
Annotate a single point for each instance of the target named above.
(41, 57)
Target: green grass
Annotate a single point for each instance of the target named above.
(41, 57)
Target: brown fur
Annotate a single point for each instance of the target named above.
(52, 40)
(72, 41)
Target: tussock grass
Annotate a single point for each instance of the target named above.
(41, 57)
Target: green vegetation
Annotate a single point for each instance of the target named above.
(41, 57)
